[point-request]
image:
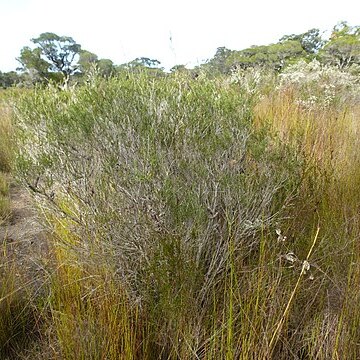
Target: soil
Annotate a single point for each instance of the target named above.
(23, 237)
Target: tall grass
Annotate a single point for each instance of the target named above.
(4, 196)
(5, 156)
(196, 219)
(19, 316)
(326, 135)
(5, 130)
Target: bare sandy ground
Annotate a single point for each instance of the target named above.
(22, 236)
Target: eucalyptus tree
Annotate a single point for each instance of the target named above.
(343, 48)
(311, 40)
(54, 57)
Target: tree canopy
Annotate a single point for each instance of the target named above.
(89, 61)
(311, 41)
(343, 48)
(274, 56)
(54, 56)
(8, 79)
(289, 49)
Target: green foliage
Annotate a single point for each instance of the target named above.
(142, 65)
(219, 63)
(31, 59)
(88, 61)
(106, 67)
(32, 62)
(60, 52)
(274, 56)
(54, 56)
(146, 62)
(9, 79)
(311, 41)
(179, 68)
(343, 48)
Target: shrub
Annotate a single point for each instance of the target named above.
(165, 176)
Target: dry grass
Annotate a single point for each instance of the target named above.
(329, 198)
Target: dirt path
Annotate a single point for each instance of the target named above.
(22, 236)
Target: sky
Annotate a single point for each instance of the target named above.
(172, 31)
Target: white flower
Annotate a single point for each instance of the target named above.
(306, 266)
(281, 237)
(291, 257)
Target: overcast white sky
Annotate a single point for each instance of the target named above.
(172, 31)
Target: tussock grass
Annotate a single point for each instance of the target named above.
(196, 219)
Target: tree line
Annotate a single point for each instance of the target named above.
(342, 49)
(61, 59)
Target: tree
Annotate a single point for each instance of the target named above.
(9, 79)
(145, 62)
(53, 54)
(274, 56)
(106, 67)
(219, 64)
(32, 62)
(182, 71)
(343, 48)
(311, 41)
(87, 59)
(178, 68)
(142, 64)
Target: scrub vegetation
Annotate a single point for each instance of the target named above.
(188, 217)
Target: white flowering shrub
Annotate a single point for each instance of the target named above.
(320, 85)
(254, 81)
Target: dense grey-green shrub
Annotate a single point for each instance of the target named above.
(167, 174)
